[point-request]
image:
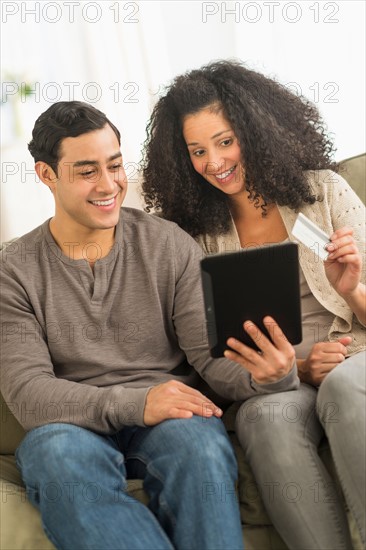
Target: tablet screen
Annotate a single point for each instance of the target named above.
(248, 285)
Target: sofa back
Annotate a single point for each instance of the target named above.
(353, 170)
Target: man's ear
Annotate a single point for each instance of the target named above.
(46, 174)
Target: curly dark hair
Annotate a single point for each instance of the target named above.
(281, 135)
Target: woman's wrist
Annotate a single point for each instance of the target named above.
(355, 293)
(356, 300)
(302, 370)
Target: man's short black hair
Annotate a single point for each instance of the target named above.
(61, 120)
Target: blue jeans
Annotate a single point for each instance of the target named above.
(77, 479)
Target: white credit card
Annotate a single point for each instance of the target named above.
(309, 234)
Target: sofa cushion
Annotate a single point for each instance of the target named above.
(23, 522)
(11, 432)
(353, 171)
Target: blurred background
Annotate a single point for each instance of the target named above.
(120, 55)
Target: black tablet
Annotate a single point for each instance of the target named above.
(248, 285)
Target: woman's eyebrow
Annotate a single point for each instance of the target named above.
(212, 137)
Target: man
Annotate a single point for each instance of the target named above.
(102, 319)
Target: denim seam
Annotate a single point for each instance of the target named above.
(164, 504)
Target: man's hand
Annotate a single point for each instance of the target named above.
(174, 399)
(323, 358)
(275, 359)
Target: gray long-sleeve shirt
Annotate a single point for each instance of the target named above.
(84, 348)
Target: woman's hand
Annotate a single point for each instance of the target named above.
(344, 263)
(343, 269)
(275, 359)
(323, 357)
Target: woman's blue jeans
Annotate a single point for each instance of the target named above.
(77, 479)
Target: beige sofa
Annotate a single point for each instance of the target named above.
(20, 523)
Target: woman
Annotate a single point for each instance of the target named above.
(232, 157)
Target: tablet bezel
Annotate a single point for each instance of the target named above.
(270, 274)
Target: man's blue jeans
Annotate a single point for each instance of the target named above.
(77, 479)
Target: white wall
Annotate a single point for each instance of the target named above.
(119, 55)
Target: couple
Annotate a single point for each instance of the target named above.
(126, 388)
